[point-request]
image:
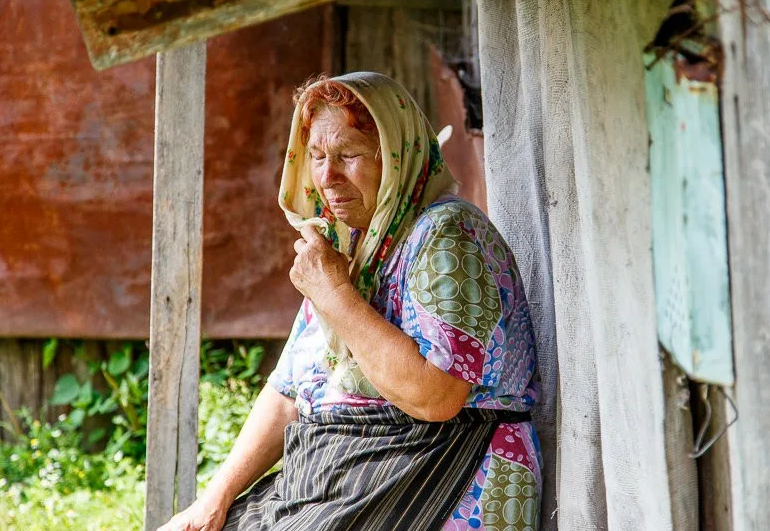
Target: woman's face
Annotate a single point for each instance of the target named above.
(344, 167)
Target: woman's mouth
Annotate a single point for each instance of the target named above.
(338, 201)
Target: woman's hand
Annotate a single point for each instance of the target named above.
(205, 514)
(318, 269)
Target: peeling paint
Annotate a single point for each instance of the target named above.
(699, 71)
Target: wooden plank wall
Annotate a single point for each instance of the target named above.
(745, 33)
(24, 381)
(395, 43)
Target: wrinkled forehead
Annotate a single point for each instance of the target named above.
(331, 128)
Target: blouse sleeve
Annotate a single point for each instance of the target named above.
(452, 306)
(282, 377)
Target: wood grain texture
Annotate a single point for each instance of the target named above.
(745, 35)
(714, 472)
(119, 32)
(176, 281)
(393, 42)
(682, 469)
(19, 379)
(25, 383)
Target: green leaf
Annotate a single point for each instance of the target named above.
(124, 395)
(96, 406)
(141, 367)
(66, 390)
(109, 405)
(84, 396)
(93, 367)
(96, 435)
(75, 418)
(133, 387)
(49, 351)
(119, 362)
(255, 357)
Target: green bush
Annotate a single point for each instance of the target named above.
(48, 482)
(47, 479)
(50, 456)
(125, 373)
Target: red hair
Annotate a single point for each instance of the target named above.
(320, 92)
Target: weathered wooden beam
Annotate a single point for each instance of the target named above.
(411, 4)
(172, 440)
(119, 31)
(745, 33)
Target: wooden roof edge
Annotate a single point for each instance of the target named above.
(117, 32)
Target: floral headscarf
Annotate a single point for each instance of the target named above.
(413, 177)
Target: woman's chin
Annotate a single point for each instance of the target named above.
(344, 215)
(352, 217)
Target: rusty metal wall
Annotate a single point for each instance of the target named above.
(76, 177)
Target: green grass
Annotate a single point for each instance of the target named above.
(33, 508)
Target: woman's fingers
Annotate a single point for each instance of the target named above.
(310, 233)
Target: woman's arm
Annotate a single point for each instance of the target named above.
(391, 360)
(258, 447)
(388, 357)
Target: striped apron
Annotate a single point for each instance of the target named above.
(372, 469)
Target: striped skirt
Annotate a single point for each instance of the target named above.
(369, 469)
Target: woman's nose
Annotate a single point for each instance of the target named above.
(331, 174)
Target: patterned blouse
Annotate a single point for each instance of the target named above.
(453, 286)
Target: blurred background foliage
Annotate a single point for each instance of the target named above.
(85, 470)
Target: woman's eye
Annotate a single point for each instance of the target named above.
(349, 156)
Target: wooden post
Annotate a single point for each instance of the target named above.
(745, 36)
(172, 422)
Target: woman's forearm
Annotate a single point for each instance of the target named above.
(258, 447)
(391, 360)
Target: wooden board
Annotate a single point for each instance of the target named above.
(692, 295)
(176, 283)
(401, 51)
(745, 35)
(119, 31)
(682, 469)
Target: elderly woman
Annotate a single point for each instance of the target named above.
(401, 399)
